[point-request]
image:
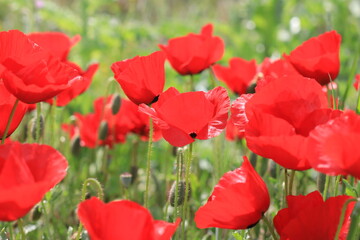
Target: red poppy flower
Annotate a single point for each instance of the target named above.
(129, 117)
(194, 53)
(233, 132)
(122, 219)
(238, 75)
(29, 72)
(238, 201)
(7, 102)
(334, 146)
(309, 217)
(27, 172)
(280, 116)
(59, 44)
(278, 68)
(318, 57)
(183, 117)
(141, 78)
(89, 125)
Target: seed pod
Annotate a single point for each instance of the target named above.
(103, 130)
(126, 179)
(75, 145)
(34, 127)
(115, 104)
(181, 193)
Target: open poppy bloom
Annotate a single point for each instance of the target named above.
(183, 117)
(141, 78)
(193, 53)
(309, 217)
(238, 75)
(27, 172)
(30, 72)
(238, 201)
(278, 118)
(7, 101)
(122, 219)
(59, 44)
(334, 146)
(318, 57)
(277, 68)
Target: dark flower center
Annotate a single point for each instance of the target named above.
(155, 99)
(193, 135)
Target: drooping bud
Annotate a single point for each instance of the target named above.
(35, 213)
(181, 193)
(115, 104)
(125, 179)
(75, 145)
(103, 130)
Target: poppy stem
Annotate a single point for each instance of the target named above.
(342, 216)
(286, 185)
(21, 228)
(100, 194)
(292, 177)
(326, 188)
(270, 227)
(38, 122)
(187, 186)
(337, 182)
(9, 121)
(358, 103)
(148, 163)
(191, 83)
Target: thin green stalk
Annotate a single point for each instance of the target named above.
(326, 188)
(148, 163)
(358, 103)
(9, 121)
(286, 186)
(11, 230)
(212, 78)
(270, 227)
(104, 164)
(187, 185)
(354, 232)
(337, 182)
(342, 216)
(191, 83)
(178, 175)
(100, 193)
(21, 228)
(292, 176)
(38, 122)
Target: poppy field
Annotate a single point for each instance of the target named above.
(196, 120)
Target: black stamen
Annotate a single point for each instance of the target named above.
(193, 135)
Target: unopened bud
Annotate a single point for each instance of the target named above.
(115, 104)
(75, 145)
(103, 130)
(126, 179)
(35, 213)
(181, 193)
(34, 127)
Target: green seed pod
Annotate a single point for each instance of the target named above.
(115, 104)
(180, 195)
(126, 179)
(103, 130)
(34, 127)
(75, 145)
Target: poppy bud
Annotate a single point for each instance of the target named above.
(75, 145)
(35, 213)
(34, 127)
(181, 193)
(134, 173)
(115, 104)
(320, 182)
(126, 179)
(103, 130)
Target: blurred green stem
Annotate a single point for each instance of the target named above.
(187, 186)
(100, 193)
(38, 122)
(21, 228)
(291, 183)
(270, 227)
(337, 182)
(342, 216)
(9, 121)
(148, 163)
(327, 182)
